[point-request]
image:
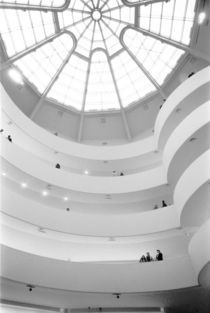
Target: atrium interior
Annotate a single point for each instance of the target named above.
(105, 155)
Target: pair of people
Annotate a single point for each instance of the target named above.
(148, 258)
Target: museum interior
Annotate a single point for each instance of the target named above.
(105, 170)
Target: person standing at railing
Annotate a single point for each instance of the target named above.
(159, 256)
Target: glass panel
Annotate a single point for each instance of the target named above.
(173, 19)
(101, 93)
(39, 67)
(131, 81)
(158, 58)
(70, 86)
(23, 29)
(97, 26)
(38, 3)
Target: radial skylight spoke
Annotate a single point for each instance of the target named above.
(116, 20)
(125, 123)
(78, 11)
(113, 9)
(86, 4)
(103, 5)
(101, 94)
(97, 5)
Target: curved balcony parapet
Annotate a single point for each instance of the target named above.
(199, 248)
(78, 226)
(132, 277)
(37, 168)
(188, 96)
(196, 176)
(175, 150)
(66, 147)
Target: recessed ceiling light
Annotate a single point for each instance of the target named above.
(23, 185)
(41, 230)
(16, 76)
(201, 17)
(44, 193)
(65, 198)
(4, 174)
(86, 172)
(192, 139)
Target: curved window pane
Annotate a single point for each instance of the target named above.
(39, 67)
(23, 29)
(132, 82)
(101, 93)
(173, 19)
(38, 3)
(158, 58)
(69, 88)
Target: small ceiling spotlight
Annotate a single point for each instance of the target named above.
(192, 139)
(24, 185)
(49, 187)
(30, 287)
(16, 76)
(45, 193)
(117, 295)
(201, 17)
(41, 230)
(86, 172)
(65, 199)
(178, 110)
(4, 174)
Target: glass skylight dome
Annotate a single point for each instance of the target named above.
(95, 55)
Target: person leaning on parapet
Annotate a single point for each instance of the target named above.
(143, 259)
(163, 204)
(148, 257)
(159, 256)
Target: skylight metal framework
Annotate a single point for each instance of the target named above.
(141, 2)
(115, 56)
(38, 5)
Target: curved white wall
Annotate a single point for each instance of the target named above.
(199, 247)
(38, 168)
(197, 174)
(174, 100)
(76, 223)
(61, 246)
(192, 123)
(132, 277)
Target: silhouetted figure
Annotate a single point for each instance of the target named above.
(114, 173)
(159, 256)
(155, 207)
(58, 165)
(148, 257)
(191, 74)
(121, 174)
(9, 138)
(143, 259)
(163, 204)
